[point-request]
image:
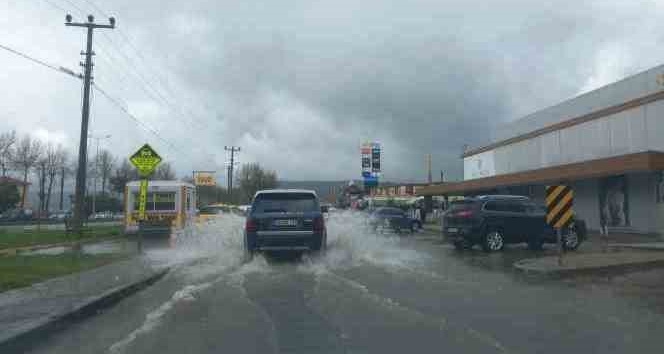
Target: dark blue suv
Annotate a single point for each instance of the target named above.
(393, 218)
(285, 220)
(495, 220)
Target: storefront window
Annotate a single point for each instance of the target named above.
(659, 178)
(164, 201)
(157, 201)
(613, 196)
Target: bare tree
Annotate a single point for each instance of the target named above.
(105, 163)
(26, 154)
(55, 160)
(47, 168)
(7, 141)
(252, 178)
(164, 172)
(123, 174)
(65, 169)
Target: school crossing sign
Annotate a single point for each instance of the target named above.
(145, 160)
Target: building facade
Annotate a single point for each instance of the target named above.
(607, 144)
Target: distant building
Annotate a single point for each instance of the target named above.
(608, 145)
(22, 189)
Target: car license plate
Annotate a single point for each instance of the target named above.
(452, 230)
(285, 222)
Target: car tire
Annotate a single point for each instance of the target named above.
(493, 241)
(249, 252)
(570, 239)
(321, 247)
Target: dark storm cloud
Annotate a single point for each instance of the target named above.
(300, 84)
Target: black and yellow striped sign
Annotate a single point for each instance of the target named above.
(559, 200)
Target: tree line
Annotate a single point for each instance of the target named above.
(50, 167)
(250, 178)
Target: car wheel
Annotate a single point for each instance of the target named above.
(321, 247)
(493, 241)
(570, 240)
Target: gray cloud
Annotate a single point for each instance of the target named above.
(300, 85)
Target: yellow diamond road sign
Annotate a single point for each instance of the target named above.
(145, 160)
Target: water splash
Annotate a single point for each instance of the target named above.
(352, 243)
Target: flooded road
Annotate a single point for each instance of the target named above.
(368, 294)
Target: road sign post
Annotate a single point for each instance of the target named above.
(145, 160)
(560, 214)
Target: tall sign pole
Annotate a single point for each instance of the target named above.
(83, 143)
(145, 160)
(560, 214)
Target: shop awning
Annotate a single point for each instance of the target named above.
(638, 162)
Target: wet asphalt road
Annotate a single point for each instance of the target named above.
(373, 294)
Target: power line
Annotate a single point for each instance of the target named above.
(150, 68)
(122, 107)
(80, 11)
(40, 62)
(96, 8)
(146, 85)
(113, 100)
(55, 5)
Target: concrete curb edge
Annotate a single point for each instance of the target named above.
(22, 341)
(612, 269)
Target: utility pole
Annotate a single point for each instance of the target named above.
(233, 150)
(62, 188)
(85, 116)
(429, 176)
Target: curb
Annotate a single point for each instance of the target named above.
(59, 321)
(612, 269)
(640, 247)
(11, 251)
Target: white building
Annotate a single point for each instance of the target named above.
(607, 144)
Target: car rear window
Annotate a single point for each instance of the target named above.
(463, 205)
(285, 203)
(389, 211)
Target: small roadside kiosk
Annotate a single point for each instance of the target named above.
(169, 206)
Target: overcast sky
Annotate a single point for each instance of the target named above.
(299, 84)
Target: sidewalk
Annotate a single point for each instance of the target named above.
(30, 311)
(581, 263)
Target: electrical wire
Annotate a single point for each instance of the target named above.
(122, 107)
(149, 87)
(143, 81)
(37, 61)
(113, 100)
(150, 68)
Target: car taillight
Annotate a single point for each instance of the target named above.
(319, 224)
(465, 214)
(250, 225)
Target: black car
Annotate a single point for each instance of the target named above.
(285, 220)
(394, 219)
(495, 220)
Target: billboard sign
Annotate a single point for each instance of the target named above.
(204, 178)
(375, 158)
(365, 150)
(371, 181)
